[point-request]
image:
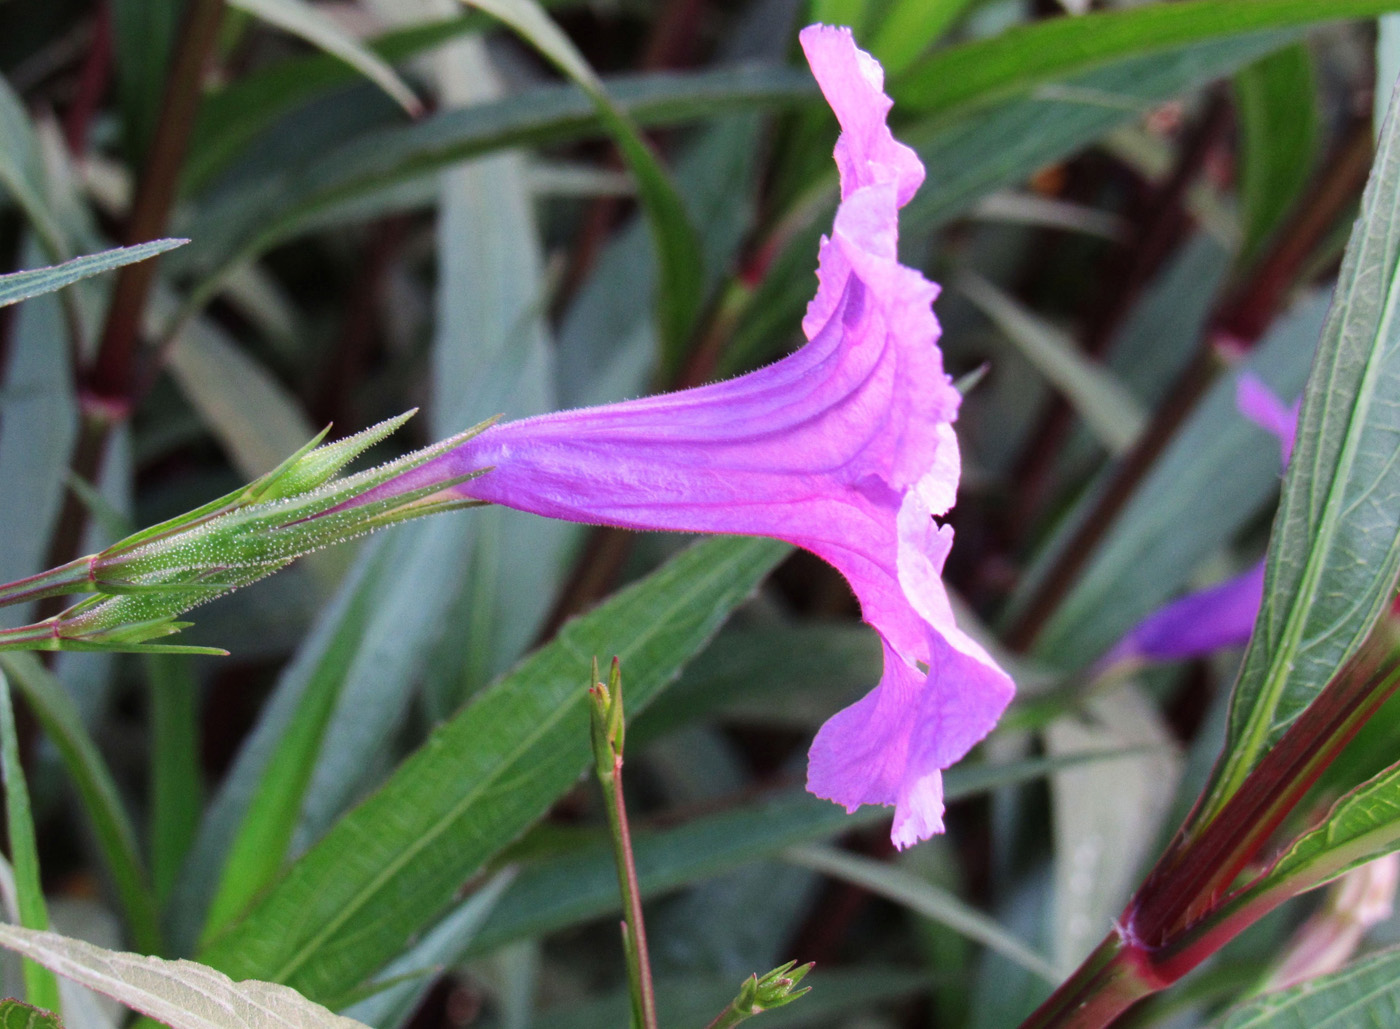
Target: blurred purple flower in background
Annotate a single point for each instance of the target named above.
(1222, 615)
(844, 448)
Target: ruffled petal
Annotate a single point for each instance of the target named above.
(853, 83)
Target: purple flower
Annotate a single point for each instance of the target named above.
(845, 448)
(1222, 615)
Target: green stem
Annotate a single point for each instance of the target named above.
(634, 932)
(730, 1016)
(72, 577)
(606, 735)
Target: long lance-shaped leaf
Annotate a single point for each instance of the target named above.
(1278, 139)
(390, 865)
(1022, 58)
(41, 988)
(19, 286)
(181, 994)
(232, 116)
(102, 803)
(1335, 551)
(680, 262)
(248, 222)
(22, 173)
(302, 19)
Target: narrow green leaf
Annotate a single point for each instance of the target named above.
(1100, 847)
(338, 628)
(677, 246)
(177, 780)
(1278, 130)
(924, 898)
(1022, 58)
(1335, 551)
(492, 351)
(301, 19)
(19, 286)
(22, 173)
(40, 986)
(17, 1015)
(257, 853)
(245, 223)
(406, 979)
(102, 803)
(909, 27)
(43, 424)
(143, 38)
(1365, 993)
(1108, 409)
(390, 865)
(181, 994)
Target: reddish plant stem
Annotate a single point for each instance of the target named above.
(1242, 318)
(113, 371)
(1163, 218)
(1181, 400)
(105, 390)
(1111, 980)
(1183, 913)
(634, 929)
(1195, 873)
(92, 82)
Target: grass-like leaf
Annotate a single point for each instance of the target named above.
(102, 802)
(1022, 58)
(41, 988)
(19, 286)
(1278, 139)
(302, 19)
(925, 899)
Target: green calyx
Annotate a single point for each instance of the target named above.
(142, 583)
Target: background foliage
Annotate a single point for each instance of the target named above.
(405, 203)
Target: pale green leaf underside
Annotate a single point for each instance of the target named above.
(182, 994)
(1335, 550)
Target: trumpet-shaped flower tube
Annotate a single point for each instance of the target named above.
(844, 448)
(1221, 615)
